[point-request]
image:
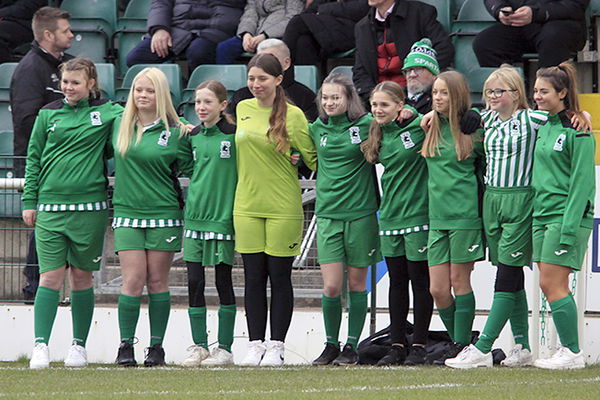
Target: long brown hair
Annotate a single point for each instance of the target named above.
(563, 76)
(220, 93)
(88, 67)
(460, 102)
(371, 146)
(355, 107)
(277, 121)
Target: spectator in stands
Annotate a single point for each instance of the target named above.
(420, 69)
(299, 94)
(191, 26)
(326, 27)
(15, 24)
(385, 36)
(35, 83)
(555, 29)
(262, 19)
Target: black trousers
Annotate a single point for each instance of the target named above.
(12, 34)
(304, 48)
(554, 41)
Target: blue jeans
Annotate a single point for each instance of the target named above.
(199, 51)
(229, 50)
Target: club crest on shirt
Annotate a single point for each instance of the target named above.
(95, 118)
(558, 145)
(163, 139)
(355, 135)
(225, 149)
(407, 140)
(515, 126)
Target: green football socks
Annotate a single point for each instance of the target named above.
(502, 307)
(357, 312)
(44, 312)
(519, 320)
(332, 316)
(159, 307)
(463, 318)
(82, 310)
(564, 315)
(447, 317)
(226, 326)
(198, 324)
(129, 313)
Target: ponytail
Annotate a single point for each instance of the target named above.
(278, 130)
(563, 76)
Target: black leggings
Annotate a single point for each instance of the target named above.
(258, 267)
(196, 283)
(509, 279)
(402, 271)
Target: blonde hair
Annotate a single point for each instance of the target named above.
(371, 146)
(563, 76)
(220, 92)
(88, 67)
(511, 78)
(459, 103)
(164, 109)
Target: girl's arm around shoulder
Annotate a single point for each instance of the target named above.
(300, 139)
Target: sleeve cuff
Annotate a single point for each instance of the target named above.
(29, 205)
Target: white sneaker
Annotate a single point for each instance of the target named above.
(562, 359)
(256, 351)
(76, 357)
(40, 356)
(518, 357)
(274, 355)
(470, 357)
(218, 357)
(198, 354)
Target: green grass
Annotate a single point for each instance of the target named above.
(107, 382)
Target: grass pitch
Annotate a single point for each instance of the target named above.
(300, 382)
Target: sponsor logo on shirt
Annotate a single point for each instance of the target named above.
(95, 118)
(225, 149)
(355, 135)
(163, 139)
(558, 145)
(407, 140)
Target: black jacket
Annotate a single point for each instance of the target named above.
(543, 10)
(423, 103)
(20, 11)
(409, 22)
(299, 94)
(331, 23)
(34, 84)
(214, 20)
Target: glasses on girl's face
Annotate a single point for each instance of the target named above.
(496, 93)
(416, 70)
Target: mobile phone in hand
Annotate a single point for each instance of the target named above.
(506, 12)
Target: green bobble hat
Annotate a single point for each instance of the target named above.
(423, 55)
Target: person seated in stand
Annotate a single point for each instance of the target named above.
(420, 69)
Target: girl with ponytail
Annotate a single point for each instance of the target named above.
(563, 206)
(267, 214)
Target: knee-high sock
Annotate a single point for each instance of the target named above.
(564, 315)
(398, 298)
(159, 307)
(447, 317)
(282, 295)
(82, 311)
(463, 318)
(519, 320)
(226, 326)
(44, 313)
(418, 273)
(502, 306)
(357, 312)
(255, 294)
(129, 313)
(198, 324)
(332, 318)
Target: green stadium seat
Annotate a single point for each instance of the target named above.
(455, 6)
(106, 79)
(307, 75)
(6, 72)
(594, 8)
(472, 18)
(105, 10)
(5, 116)
(342, 69)
(6, 153)
(443, 11)
(127, 39)
(172, 71)
(131, 28)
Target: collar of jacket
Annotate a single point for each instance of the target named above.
(289, 78)
(35, 46)
(400, 10)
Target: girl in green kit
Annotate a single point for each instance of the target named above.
(563, 205)
(65, 199)
(209, 222)
(346, 206)
(150, 149)
(455, 236)
(403, 219)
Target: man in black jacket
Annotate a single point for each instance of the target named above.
(15, 24)
(34, 84)
(298, 93)
(553, 28)
(384, 37)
